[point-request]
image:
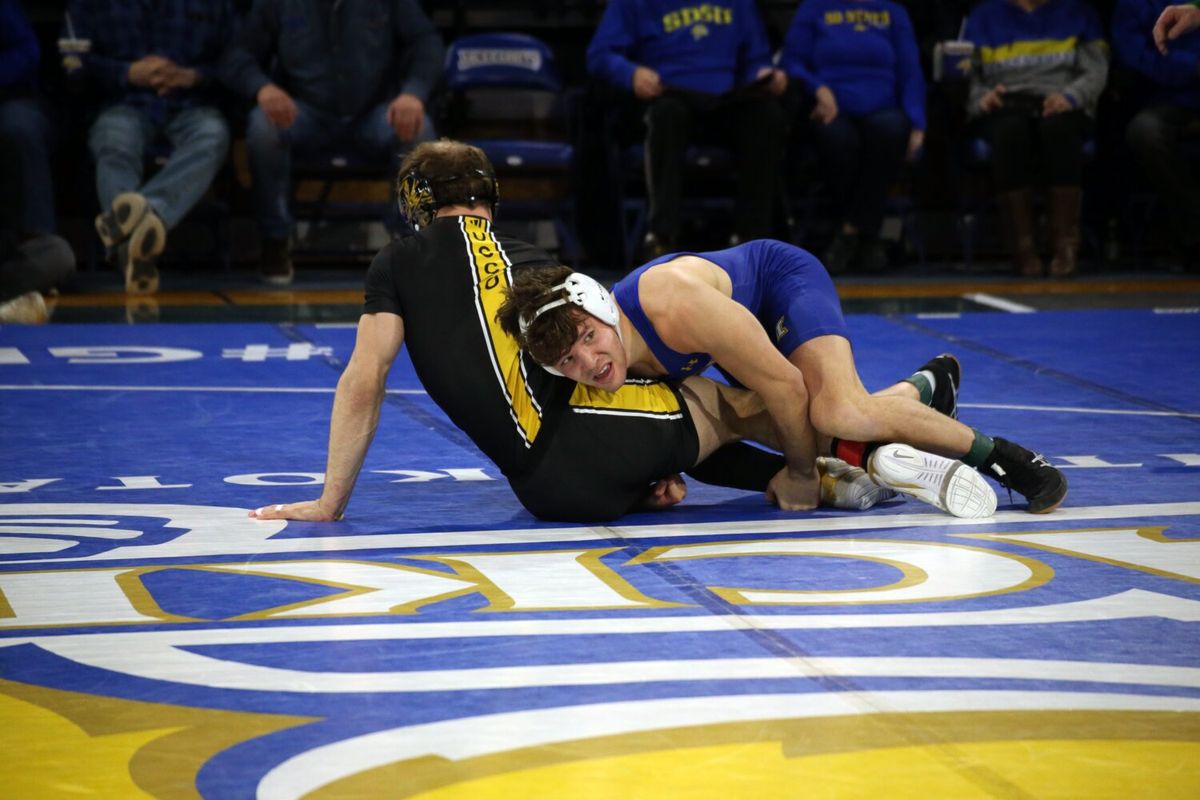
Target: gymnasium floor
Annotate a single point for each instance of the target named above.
(441, 643)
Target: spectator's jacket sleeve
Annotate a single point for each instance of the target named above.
(910, 81)
(421, 45)
(798, 43)
(1084, 91)
(755, 50)
(1132, 22)
(608, 54)
(210, 70)
(241, 66)
(112, 74)
(19, 52)
(977, 87)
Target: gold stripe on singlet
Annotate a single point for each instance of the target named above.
(639, 399)
(490, 270)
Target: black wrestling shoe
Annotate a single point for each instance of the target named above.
(1028, 473)
(947, 373)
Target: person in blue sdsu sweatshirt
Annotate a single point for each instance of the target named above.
(1171, 110)
(858, 59)
(696, 66)
(1039, 69)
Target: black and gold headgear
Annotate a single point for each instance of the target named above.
(420, 196)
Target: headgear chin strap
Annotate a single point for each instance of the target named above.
(587, 293)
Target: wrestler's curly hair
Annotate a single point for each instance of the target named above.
(551, 335)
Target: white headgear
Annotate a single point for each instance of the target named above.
(588, 294)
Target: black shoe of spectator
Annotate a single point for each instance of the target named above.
(652, 247)
(276, 267)
(872, 255)
(1191, 257)
(841, 252)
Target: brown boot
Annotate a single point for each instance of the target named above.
(1016, 208)
(1065, 205)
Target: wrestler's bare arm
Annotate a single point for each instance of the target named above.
(691, 315)
(356, 406)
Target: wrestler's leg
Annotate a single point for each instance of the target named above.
(840, 406)
(935, 384)
(723, 415)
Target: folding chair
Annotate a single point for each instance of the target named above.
(505, 96)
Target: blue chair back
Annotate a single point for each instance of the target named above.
(506, 97)
(512, 60)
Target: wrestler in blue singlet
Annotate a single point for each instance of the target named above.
(786, 288)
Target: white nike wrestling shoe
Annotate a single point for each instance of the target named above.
(844, 486)
(944, 483)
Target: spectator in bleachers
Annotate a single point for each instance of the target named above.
(1171, 111)
(858, 60)
(322, 73)
(24, 124)
(150, 67)
(32, 259)
(696, 66)
(1040, 66)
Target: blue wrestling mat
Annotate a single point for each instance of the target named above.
(441, 643)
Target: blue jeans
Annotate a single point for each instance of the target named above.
(25, 129)
(199, 139)
(270, 153)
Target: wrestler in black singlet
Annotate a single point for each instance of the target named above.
(569, 452)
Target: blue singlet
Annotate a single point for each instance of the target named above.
(786, 288)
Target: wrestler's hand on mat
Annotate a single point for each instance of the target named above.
(308, 511)
(794, 492)
(665, 493)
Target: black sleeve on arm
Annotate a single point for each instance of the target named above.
(380, 291)
(739, 466)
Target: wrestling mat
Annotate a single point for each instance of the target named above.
(441, 643)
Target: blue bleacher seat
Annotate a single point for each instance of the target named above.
(507, 98)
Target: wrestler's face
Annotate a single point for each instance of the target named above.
(597, 358)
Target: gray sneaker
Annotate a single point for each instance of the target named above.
(941, 482)
(24, 309)
(138, 255)
(117, 224)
